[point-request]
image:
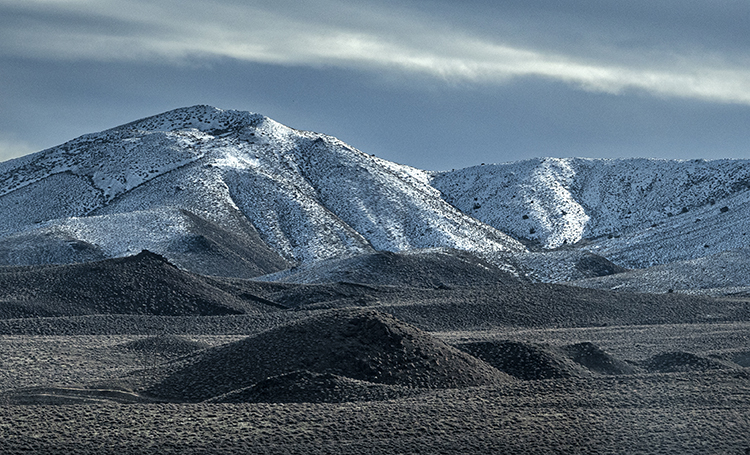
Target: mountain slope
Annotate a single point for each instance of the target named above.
(142, 284)
(303, 196)
(420, 268)
(635, 212)
(725, 273)
(237, 194)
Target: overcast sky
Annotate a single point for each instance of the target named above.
(433, 84)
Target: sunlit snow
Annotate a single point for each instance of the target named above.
(311, 197)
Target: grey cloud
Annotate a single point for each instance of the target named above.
(423, 124)
(456, 83)
(16, 17)
(638, 24)
(383, 37)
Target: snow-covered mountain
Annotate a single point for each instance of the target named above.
(635, 212)
(238, 194)
(306, 196)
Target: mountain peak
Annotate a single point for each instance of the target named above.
(305, 195)
(204, 118)
(200, 117)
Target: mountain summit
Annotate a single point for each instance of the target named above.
(194, 182)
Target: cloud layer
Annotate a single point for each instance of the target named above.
(456, 47)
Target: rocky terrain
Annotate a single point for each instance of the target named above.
(208, 281)
(495, 365)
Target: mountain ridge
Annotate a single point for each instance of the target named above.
(307, 195)
(178, 183)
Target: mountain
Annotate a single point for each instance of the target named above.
(236, 194)
(161, 182)
(635, 212)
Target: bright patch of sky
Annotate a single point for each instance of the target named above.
(13, 148)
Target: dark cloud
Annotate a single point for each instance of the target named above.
(637, 25)
(15, 17)
(424, 125)
(447, 86)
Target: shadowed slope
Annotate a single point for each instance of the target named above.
(164, 344)
(308, 387)
(358, 344)
(422, 269)
(595, 359)
(143, 284)
(524, 360)
(216, 250)
(677, 361)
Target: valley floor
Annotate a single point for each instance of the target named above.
(649, 413)
(661, 414)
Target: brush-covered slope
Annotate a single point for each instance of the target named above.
(433, 268)
(678, 361)
(637, 212)
(160, 182)
(721, 274)
(526, 361)
(308, 387)
(359, 344)
(143, 284)
(164, 345)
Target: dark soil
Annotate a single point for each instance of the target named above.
(669, 362)
(670, 414)
(434, 270)
(358, 344)
(165, 344)
(345, 367)
(595, 359)
(147, 284)
(524, 360)
(143, 284)
(592, 265)
(308, 387)
(214, 250)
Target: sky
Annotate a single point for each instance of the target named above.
(437, 84)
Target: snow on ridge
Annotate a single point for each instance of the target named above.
(628, 195)
(121, 158)
(392, 205)
(717, 274)
(126, 234)
(701, 232)
(351, 199)
(552, 205)
(310, 196)
(207, 119)
(556, 201)
(529, 199)
(115, 163)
